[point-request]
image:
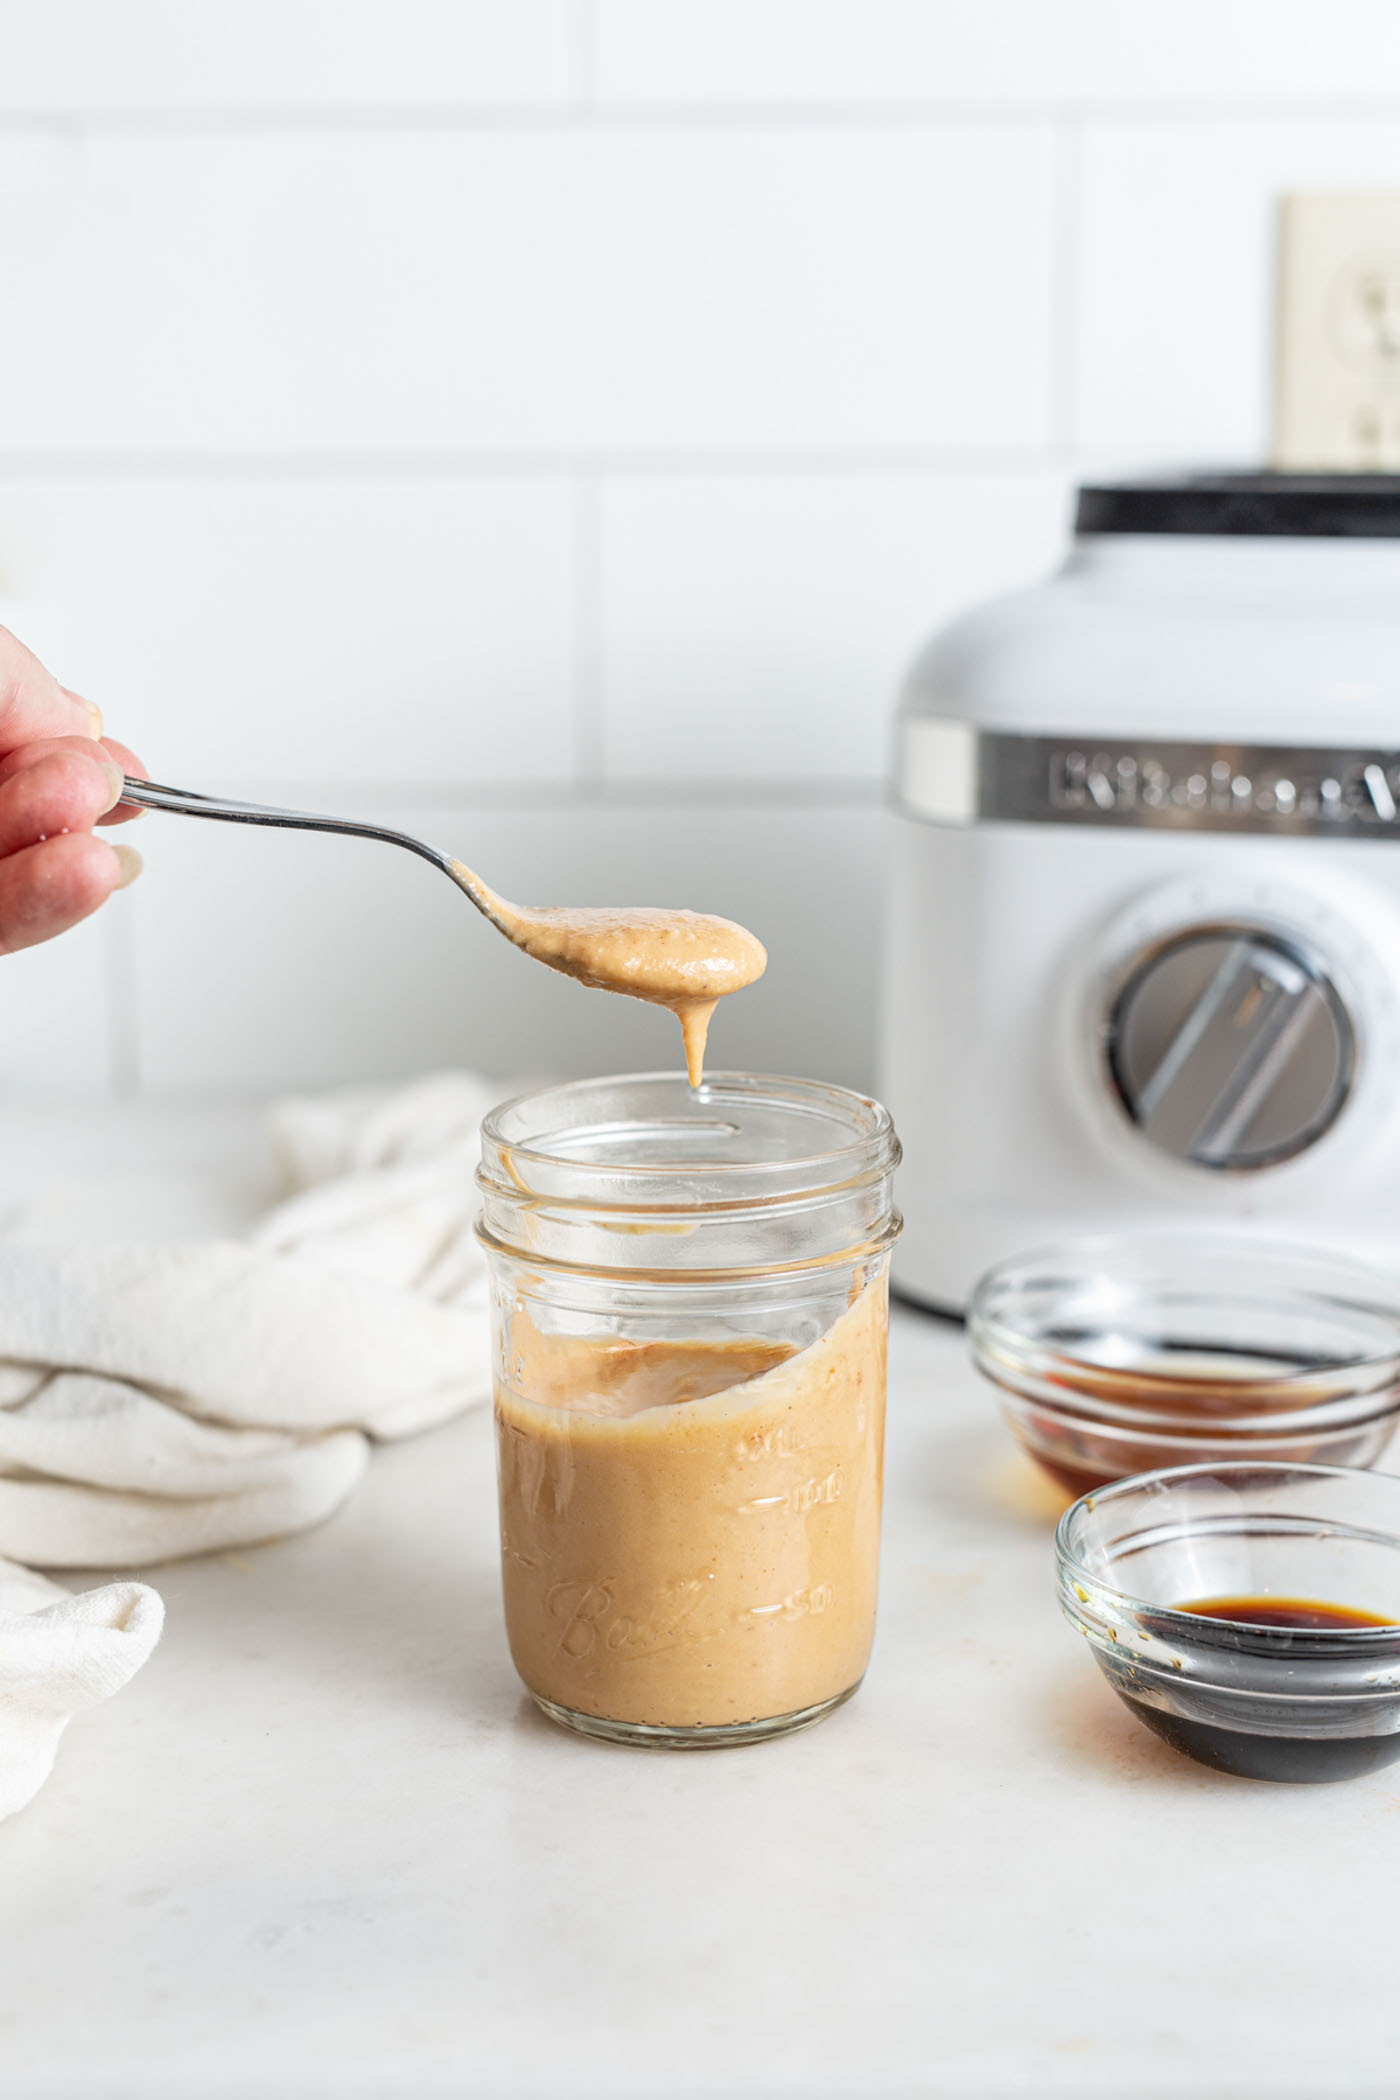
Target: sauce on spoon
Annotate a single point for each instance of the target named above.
(684, 960)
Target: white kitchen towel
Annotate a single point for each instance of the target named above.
(157, 1401)
(58, 1654)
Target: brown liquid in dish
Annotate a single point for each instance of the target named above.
(1301, 1751)
(690, 1530)
(1171, 1409)
(684, 960)
(1195, 1384)
(1304, 1613)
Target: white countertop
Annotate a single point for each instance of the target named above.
(324, 1845)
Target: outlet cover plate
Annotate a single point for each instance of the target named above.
(1337, 402)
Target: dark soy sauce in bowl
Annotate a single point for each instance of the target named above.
(1278, 1757)
(1209, 1598)
(1306, 1613)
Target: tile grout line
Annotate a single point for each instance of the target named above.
(580, 41)
(1064, 315)
(386, 798)
(584, 115)
(587, 654)
(455, 463)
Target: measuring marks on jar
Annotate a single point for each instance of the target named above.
(590, 1620)
(783, 1441)
(802, 1496)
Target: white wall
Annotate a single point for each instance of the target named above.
(552, 426)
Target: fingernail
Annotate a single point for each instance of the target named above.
(131, 865)
(116, 781)
(94, 712)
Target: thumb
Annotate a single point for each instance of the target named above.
(33, 705)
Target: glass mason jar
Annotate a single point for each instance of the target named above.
(689, 1307)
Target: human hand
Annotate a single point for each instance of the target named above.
(59, 776)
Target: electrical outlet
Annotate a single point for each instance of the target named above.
(1338, 397)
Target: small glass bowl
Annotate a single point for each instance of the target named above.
(1115, 1357)
(1282, 1703)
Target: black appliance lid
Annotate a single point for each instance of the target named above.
(1245, 506)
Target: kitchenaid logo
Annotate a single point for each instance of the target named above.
(1219, 783)
(954, 772)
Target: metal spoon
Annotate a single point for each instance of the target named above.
(147, 794)
(683, 960)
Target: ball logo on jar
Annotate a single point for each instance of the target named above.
(591, 1620)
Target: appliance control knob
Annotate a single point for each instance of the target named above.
(1229, 1046)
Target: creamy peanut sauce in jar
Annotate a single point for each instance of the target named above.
(689, 1320)
(690, 1535)
(684, 960)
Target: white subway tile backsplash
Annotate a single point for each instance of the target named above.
(525, 291)
(1174, 320)
(995, 53)
(758, 627)
(546, 421)
(418, 628)
(56, 1016)
(265, 960)
(310, 55)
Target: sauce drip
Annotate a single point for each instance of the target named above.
(683, 960)
(1308, 1614)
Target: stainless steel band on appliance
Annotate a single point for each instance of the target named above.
(952, 772)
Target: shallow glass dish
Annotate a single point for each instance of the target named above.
(1121, 1356)
(1264, 1702)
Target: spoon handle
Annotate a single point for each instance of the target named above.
(182, 802)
